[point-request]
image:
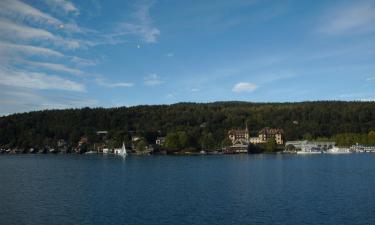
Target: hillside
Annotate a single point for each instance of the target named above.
(298, 120)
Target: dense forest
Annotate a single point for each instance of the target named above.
(191, 125)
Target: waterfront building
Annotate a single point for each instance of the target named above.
(267, 133)
(105, 150)
(308, 146)
(160, 141)
(82, 145)
(62, 146)
(239, 136)
(242, 136)
(362, 148)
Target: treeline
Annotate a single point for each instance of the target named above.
(348, 139)
(189, 125)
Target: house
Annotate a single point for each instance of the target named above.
(62, 146)
(82, 145)
(160, 141)
(267, 133)
(242, 136)
(239, 136)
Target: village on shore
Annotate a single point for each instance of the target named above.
(269, 140)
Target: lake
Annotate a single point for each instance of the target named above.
(229, 189)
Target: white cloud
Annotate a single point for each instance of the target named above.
(356, 17)
(65, 6)
(18, 10)
(370, 78)
(194, 89)
(54, 67)
(21, 100)
(170, 95)
(170, 54)
(152, 80)
(244, 87)
(142, 25)
(35, 80)
(105, 83)
(83, 62)
(11, 49)
(14, 31)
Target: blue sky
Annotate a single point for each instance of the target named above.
(70, 53)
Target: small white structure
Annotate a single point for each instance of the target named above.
(362, 148)
(121, 151)
(337, 150)
(105, 150)
(309, 147)
(160, 141)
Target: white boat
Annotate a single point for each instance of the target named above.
(308, 153)
(337, 150)
(121, 151)
(90, 152)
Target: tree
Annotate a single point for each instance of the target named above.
(208, 142)
(226, 142)
(172, 141)
(271, 145)
(141, 145)
(183, 140)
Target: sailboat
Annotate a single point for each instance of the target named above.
(121, 151)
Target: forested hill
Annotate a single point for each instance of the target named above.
(298, 120)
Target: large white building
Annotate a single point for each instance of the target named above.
(242, 136)
(309, 146)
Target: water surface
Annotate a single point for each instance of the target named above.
(238, 189)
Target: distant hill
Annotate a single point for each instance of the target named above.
(298, 120)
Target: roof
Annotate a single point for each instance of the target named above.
(271, 131)
(237, 132)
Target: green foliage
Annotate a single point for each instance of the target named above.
(190, 125)
(226, 142)
(271, 145)
(172, 141)
(208, 141)
(349, 139)
(141, 145)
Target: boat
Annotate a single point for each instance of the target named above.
(309, 150)
(337, 150)
(121, 151)
(306, 153)
(91, 152)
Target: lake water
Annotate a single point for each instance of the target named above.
(231, 189)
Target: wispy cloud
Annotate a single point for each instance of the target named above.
(370, 78)
(356, 17)
(141, 25)
(53, 67)
(152, 80)
(169, 54)
(16, 9)
(21, 100)
(83, 62)
(19, 49)
(65, 6)
(105, 83)
(244, 87)
(11, 31)
(36, 80)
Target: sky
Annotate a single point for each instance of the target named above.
(57, 54)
